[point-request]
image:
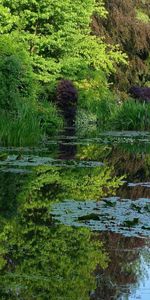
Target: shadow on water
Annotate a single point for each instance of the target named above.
(98, 179)
(67, 150)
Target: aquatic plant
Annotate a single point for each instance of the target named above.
(29, 124)
(49, 116)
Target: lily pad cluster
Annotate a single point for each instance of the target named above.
(125, 216)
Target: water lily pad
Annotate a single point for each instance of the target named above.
(131, 223)
(125, 216)
(91, 216)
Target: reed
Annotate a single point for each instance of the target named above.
(132, 115)
(25, 126)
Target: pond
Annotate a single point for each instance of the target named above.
(75, 217)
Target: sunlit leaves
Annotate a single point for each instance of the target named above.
(57, 31)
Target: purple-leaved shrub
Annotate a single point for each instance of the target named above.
(140, 93)
(66, 99)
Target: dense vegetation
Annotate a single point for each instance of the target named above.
(128, 24)
(86, 42)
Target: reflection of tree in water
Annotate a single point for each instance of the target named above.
(40, 260)
(134, 192)
(136, 166)
(10, 185)
(67, 149)
(124, 267)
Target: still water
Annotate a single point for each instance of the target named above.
(75, 217)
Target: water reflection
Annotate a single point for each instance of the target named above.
(42, 260)
(135, 165)
(10, 185)
(128, 274)
(67, 149)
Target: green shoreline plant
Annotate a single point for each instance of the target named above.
(131, 115)
(110, 115)
(29, 124)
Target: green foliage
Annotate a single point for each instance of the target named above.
(10, 186)
(58, 37)
(21, 128)
(19, 124)
(105, 110)
(94, 152)
(43, 260)
(49, 263)
(28, 124)
(142, 16)
(132, 115)
(23, 120)
(96, 99)
(91, 184)
(7, 20)
(17, 82)
(50, 118)
(54, 184)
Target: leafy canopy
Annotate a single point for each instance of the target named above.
(59, 36)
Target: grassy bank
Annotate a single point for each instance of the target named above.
(110, 114)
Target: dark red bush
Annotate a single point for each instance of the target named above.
(66, 99)
(140, 93)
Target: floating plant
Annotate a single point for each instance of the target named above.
(125, 216)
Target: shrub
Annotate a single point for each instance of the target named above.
(17, 82)
(97, 100)
(66, 99)
(140, 93)
(50, 119)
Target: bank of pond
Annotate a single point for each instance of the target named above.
(32, 125)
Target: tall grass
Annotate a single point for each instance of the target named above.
(105, 110)
(20, 129)
(132, 115)
(28, 124)
(109, 115)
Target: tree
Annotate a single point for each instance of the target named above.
(128, 24)
(59, 37)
